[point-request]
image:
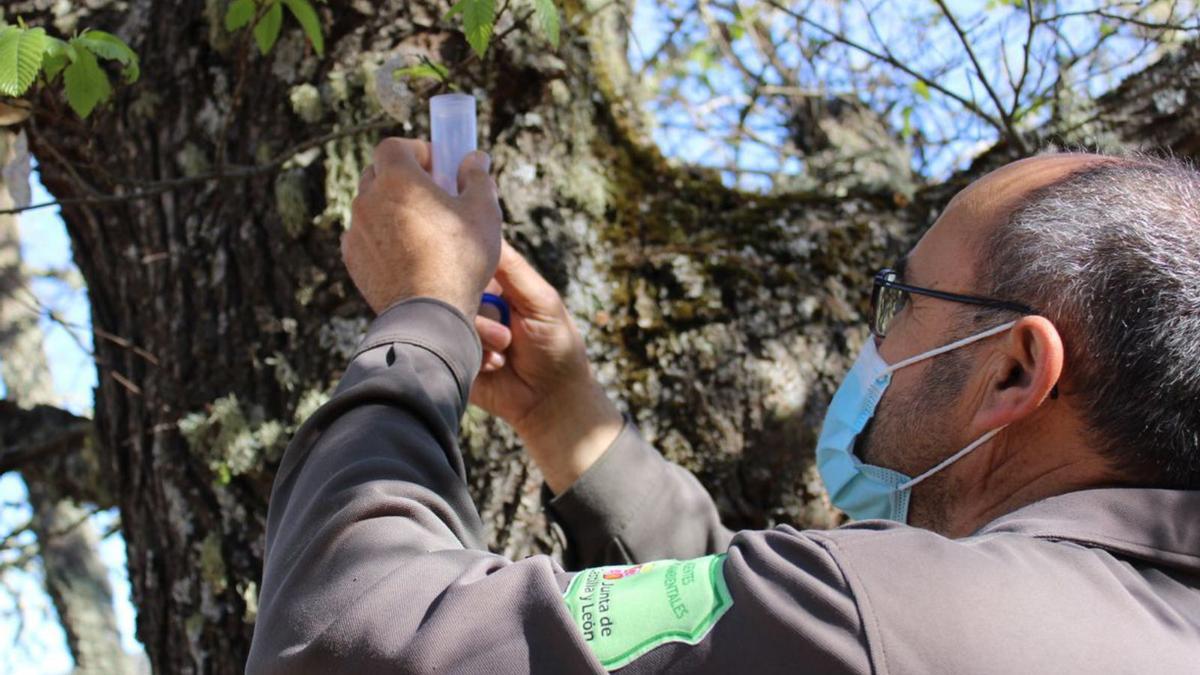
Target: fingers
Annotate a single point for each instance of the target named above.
(524, 288)
(395, 152)
(473, 170)
(476, 189)
(494, 335)
(496, 338)
(368, 177)
(492, 361)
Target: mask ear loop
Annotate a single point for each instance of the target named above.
(952, 458)
(951, 347)
(942, 350)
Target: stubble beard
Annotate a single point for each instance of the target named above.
(912, 433)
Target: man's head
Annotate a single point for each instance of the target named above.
(1100, 386)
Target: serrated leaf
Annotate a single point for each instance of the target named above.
(239, 14)
(546, 16)
(54, 57)
(113, 48)
(309, 21)
(479, 17)
(433, 71)
(266, 31)
(921, 89)
(21, 51)
(86, 83)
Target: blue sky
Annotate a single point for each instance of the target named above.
(41, 647)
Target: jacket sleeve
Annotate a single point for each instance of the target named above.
(633, 506)
(374, 550)
(374, 558)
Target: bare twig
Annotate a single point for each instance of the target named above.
(126, 382)
(1026, 51)
(1132, 20)
(1005, 117)
(892, 61)
(231, 172)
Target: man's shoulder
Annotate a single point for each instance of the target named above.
(869, 537)
(1003, 601)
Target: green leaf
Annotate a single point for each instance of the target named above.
(113, 48)
(309, 21)
(546, 16)
(479, 16)
(86, 83)
(921, 89)
(21, 51)
(239, 14)
(906, 131)
(54, 57)
(430, 70)
(266, 31)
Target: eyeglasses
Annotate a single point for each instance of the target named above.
(889, 296)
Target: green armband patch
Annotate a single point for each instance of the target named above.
(625, 611)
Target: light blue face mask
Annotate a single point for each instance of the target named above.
(863, 490)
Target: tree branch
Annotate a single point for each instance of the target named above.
(1011, 131)
(231, 172)
(37, 434)
(892, 61)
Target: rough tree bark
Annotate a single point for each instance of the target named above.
(720, 320)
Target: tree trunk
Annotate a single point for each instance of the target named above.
(721, 320)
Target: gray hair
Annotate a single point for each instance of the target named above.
(1111, 255)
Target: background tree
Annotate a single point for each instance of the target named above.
(721, 297)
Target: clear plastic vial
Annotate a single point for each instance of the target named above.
(452, 128)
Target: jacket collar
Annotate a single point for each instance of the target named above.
(1160, 526)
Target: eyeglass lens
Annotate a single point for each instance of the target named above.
(888, 302)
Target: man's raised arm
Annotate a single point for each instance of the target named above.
(374, 558)
(374, 548)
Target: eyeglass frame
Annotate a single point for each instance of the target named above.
(881, 282)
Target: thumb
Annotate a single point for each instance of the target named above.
(525, 289)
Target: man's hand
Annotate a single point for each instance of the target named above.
(409, 238)
(536, 377)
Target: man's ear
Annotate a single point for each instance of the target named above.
(1028, 363)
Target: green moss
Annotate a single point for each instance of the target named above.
(586, 187)
(291, 203)
(192, 160)
(212, 563)
(345, 159)
(340, 86)
(306, 103)
(145, 105)
(194, 625)
(249, 593)
(233, 440)
(310, 401)
(214, 16)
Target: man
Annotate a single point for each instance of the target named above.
(1021, 435)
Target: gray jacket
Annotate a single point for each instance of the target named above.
(375, 561)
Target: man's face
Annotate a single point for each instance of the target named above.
(920, 419)
(926, 412)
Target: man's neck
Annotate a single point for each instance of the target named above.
(1013, 487)
(1019, 467)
